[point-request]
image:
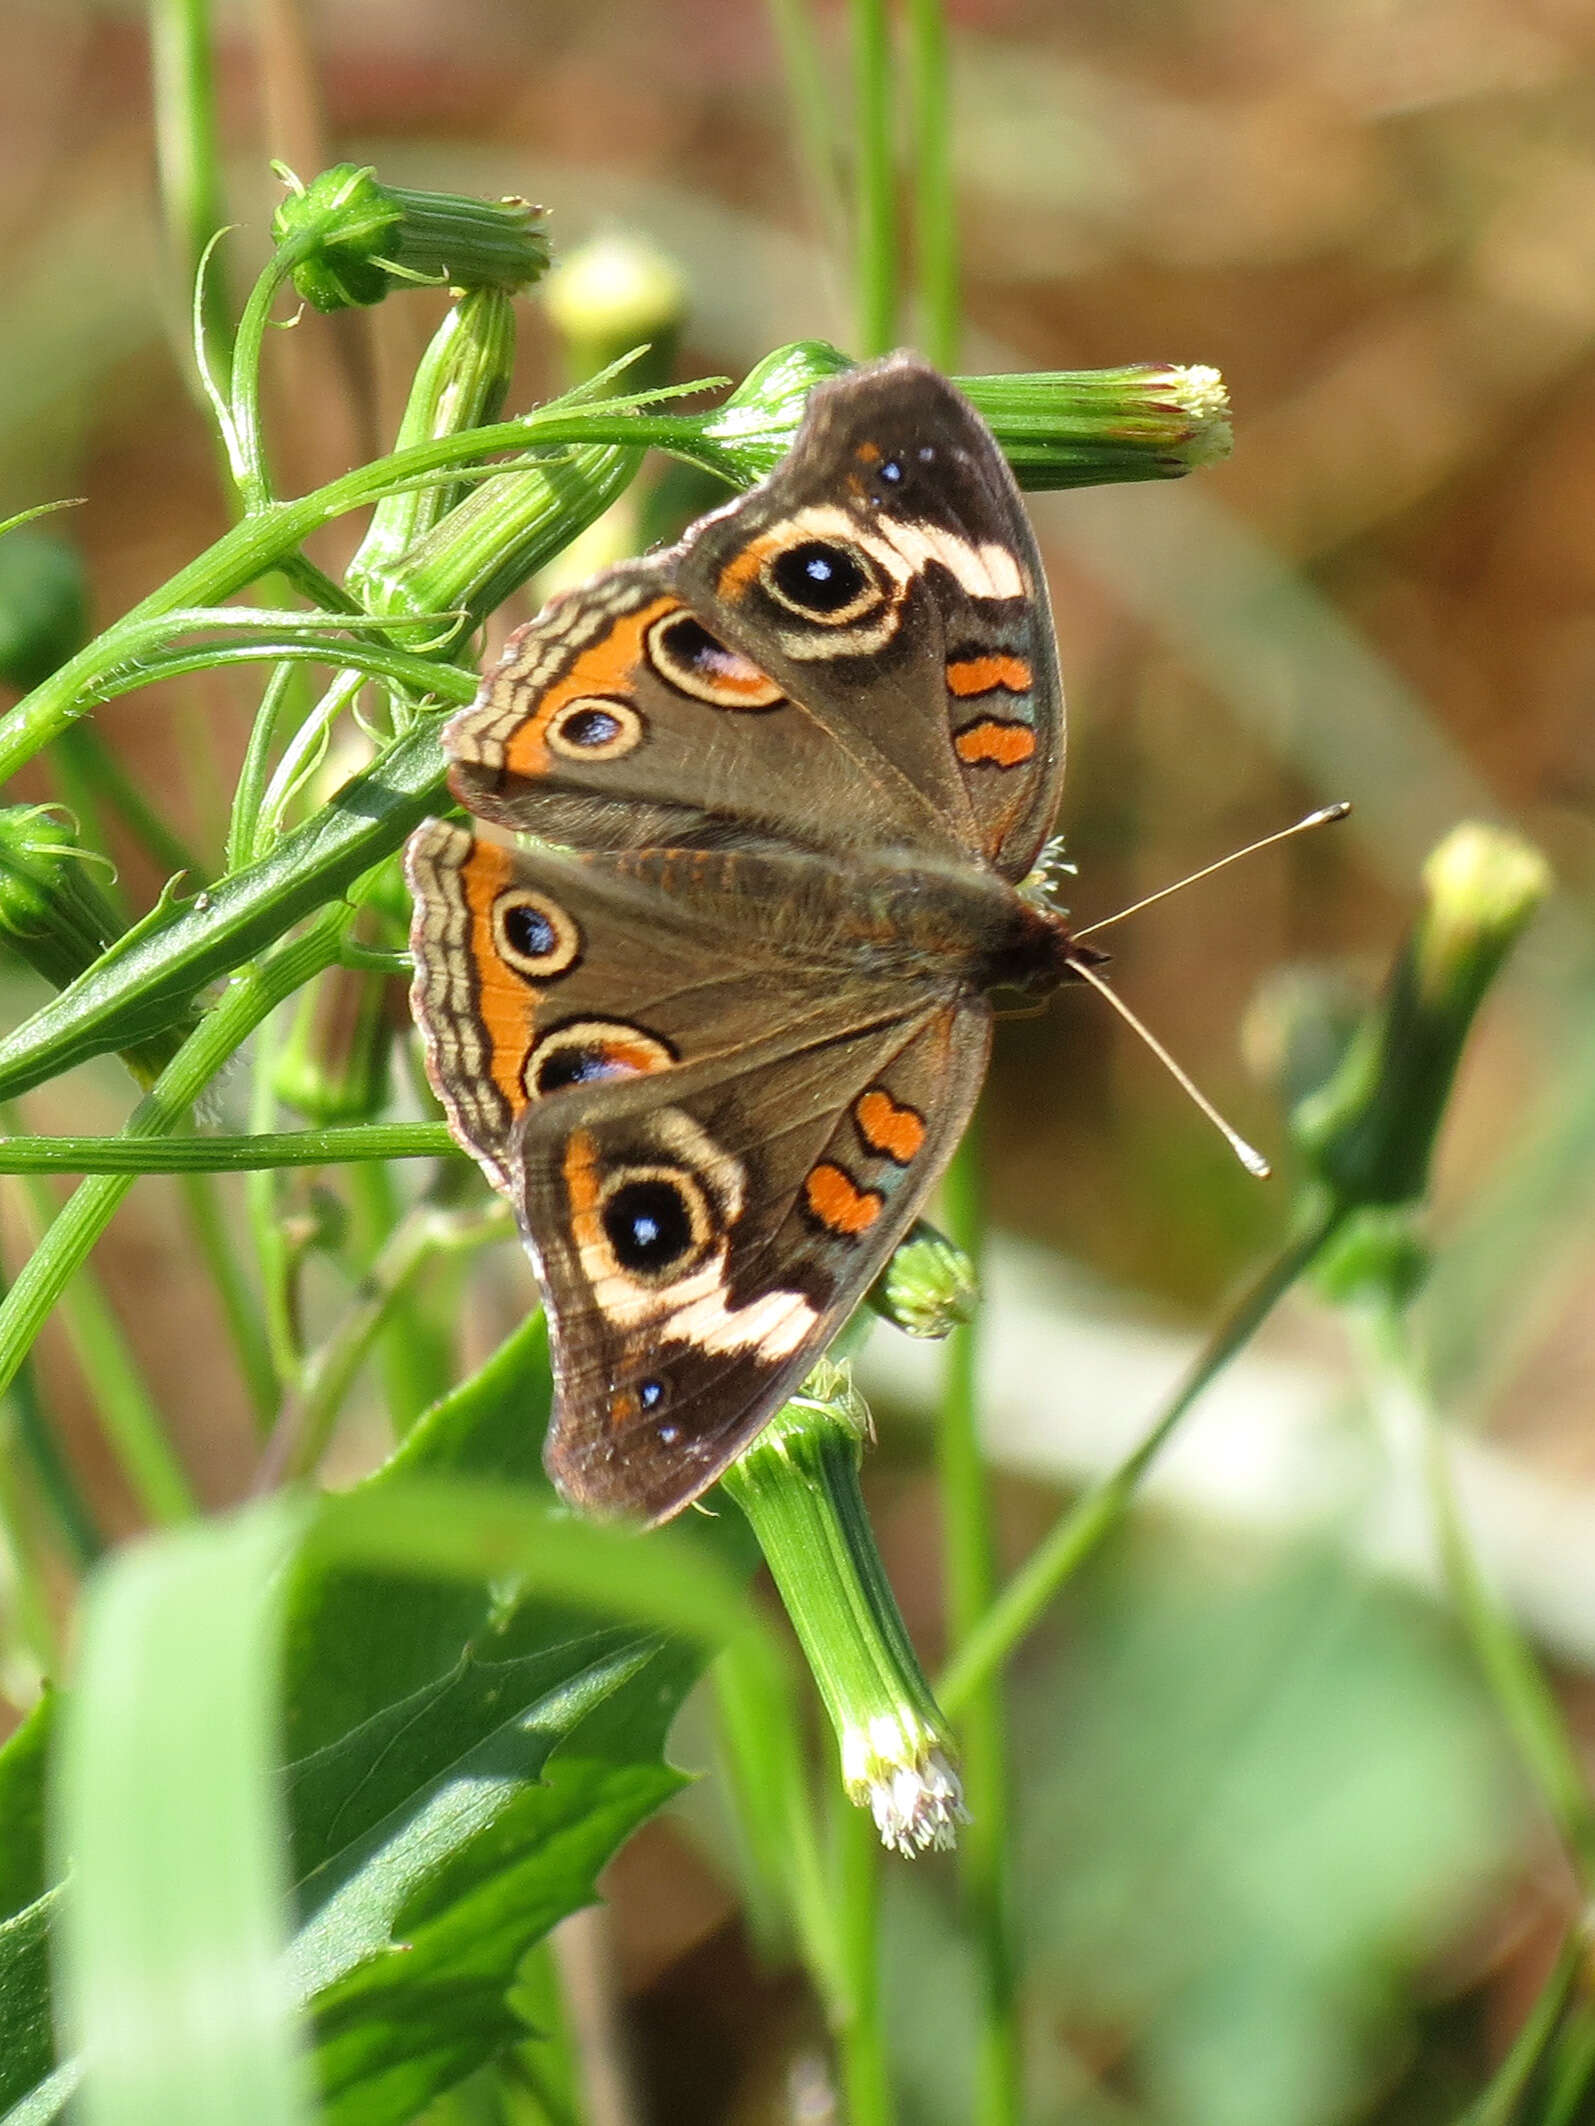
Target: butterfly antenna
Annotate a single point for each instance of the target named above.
(1247, 1154)
(1320, 818)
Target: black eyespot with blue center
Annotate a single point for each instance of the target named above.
(649, 1226)
(529, 931)
(590, 727)
(576, 1065)
(534, 934)
(821, 578)
(892, 470)
(650, 1393)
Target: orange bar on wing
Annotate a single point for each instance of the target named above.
(837, 1201)
(897, 1132)
(984, 675)
(1003, 745)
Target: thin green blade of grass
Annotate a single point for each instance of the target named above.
(172, 1942)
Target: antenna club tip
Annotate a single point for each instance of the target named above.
(1340, 809)
(1255, 1164)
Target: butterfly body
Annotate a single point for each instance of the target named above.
(716, 1034)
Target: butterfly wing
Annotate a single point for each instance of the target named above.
(857, 654)
(713, 1134)
(702, 1241)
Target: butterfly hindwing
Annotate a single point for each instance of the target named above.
(704, 1238)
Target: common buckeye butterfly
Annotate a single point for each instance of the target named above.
(717, 1032)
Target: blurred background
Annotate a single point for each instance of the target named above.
(1278, 1864)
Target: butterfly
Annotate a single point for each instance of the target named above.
(717, 1031)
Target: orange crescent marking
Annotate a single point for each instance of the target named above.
(837, 1201)
(897, 1132)
(581, 1186)
(741, 570)
(603, 667)
(985, 675)
(1005, 745)
(506, 1002)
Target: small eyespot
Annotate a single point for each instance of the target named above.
(668, 1435)
(534, 934)
(649, 1224)
(650, 1393)
(594, 727)
(586, 1051)
(892, 470)
(685, 654)
(926, 453)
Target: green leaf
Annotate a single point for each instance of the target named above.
(135, 991)
(172, 1936)
(27, 2054)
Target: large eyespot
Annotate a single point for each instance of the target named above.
(584, 1051)
(534, 935)
(657, 1222)
(594, 727)
(685, 655)
(824, 580)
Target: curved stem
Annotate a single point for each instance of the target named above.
(1095, 1515)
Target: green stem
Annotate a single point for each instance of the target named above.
(274, 1260)
(1526, 1702)
(184, 97)
(935, 216)
(253, 776)
(302, 1433)
(415, 1361)
(1099, 1512)
(122, 1403)
(30, 1420)
(1498, 2104)
(75, 1229)
(763, 1745)
(240, 1307)
(861, 2037)
(226, 1155)
(810, 95)
(874, 234)
(970, 1570)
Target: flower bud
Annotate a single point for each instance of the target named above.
(55, 916)
(461, 384)
(333, 1067)
(1057, 428)
(1370, 1131)
(352, 239)
(798, 1485)
(612, 296)
(929, 1287)
(1087, 427)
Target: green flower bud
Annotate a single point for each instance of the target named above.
(929, 1287)
(461, 384)
(1370, 1131)
(1057, 428)
(333, 1067)
(611, 296)
(44, 606)
(512, 525)
(798, 1485)
(54, 914)
(1087, 427)
(352, 240)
